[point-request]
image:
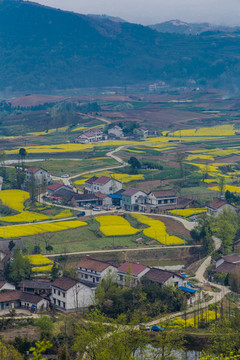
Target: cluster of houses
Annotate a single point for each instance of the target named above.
(106, 191)
(96, 135)
(69, 294)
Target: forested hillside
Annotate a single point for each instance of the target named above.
(43, 48)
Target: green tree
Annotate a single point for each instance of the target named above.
(63, 353)
(234, 281)
(9, 353)
(40, 347)
(45, 326)
(207, 242)
(54, 272)
(11, 245)
(226, 229)
(134, 163)
(32, 188)
(22, 155)
(221, 185)
(19, 268)
(180, 156)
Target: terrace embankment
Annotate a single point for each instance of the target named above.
(152, 257)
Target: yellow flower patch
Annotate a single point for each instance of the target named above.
(14, 198)
(216, 131)
(32, 229)
(157, 230)
(134, 151)
(200, 156)
(51, 131)
(29, 216)
(231, 188)
(207, 316)
(38, 260)
(187, 212)
(113, 225)
(43, 269)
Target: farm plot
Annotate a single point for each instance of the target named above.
(157, 230)
(32, 229)
(15, 200)
(187, 212)
(113, 225)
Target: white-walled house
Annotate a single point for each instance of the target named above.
(161, 198)
(116, 131)
(165, 277)
(102, 184)
(70, 294)
(94, 271)
(1, 182)
(41, 176)
(6, 286)
(130, 199)
(218, 206)
(129, 274)
(18, 299)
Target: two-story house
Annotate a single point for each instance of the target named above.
(40, 176)
(116, 131)
(94, 271)
(216, 207)
(92, 136)
(165, 277)
(129, 274)
(130, 199)
(160, 198)
(103, 184)
(70, 294)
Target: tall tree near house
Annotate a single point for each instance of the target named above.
(32, 188)
(11, 245)
(180, 159)
(22, 155)
(19, 268)
(221, 185)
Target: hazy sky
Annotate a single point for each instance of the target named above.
(147, 12)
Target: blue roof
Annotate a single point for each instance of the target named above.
(115, 196)
(184, 288)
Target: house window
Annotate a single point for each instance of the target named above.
(86, 276)
(59, 302)
(121, 277)
(63, 294)
(64, 305)
(59, 293)
(97, 279)
(54, 290)
(54, 300)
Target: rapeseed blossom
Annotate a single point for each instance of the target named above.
(113, 225)
(187, 212)
(157, 230)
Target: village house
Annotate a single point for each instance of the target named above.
(130, 199)
(6, 286)
(62, 195)
(92, 136)
(103, 184)
(97, 199)
(1, 182)
(94, 271)
(142, 131)
(57, 186)
(17, 299)
(69, 294)
(218, 206)
(165, 277)
(228, 264)
(40, 176)
(162, 198)
(40, 288)
(116, 131)
(129, 274)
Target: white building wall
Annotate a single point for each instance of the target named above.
(79, 296)
(175, 279)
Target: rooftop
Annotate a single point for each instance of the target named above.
(102, 180)
(233, 258)
(19, 295)
(55, 186)
(132, 268)
(226, 268)
(65, 283)
(160, 276)
(163, 193)
(34, 169)
(91, 180)
(217, 204)
(92, 264)
(41, 285)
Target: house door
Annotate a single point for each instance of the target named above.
(94, 280)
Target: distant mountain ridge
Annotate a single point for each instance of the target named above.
(181, 27)
(43, 48)
(107, 17)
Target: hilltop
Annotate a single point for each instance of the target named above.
(46, 49)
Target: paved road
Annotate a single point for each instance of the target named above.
(125, 250)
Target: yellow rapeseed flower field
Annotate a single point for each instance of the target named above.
(50, 131)
(187, 212)
(38, 260)
(231, 188)
(113, 225)
(157, 230)
(32, 229)
(207, 316)
(14, 199)
(43, 269)
(216, 131)
(124, 178)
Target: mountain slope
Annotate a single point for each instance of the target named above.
(43, 48)
(181, 27)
